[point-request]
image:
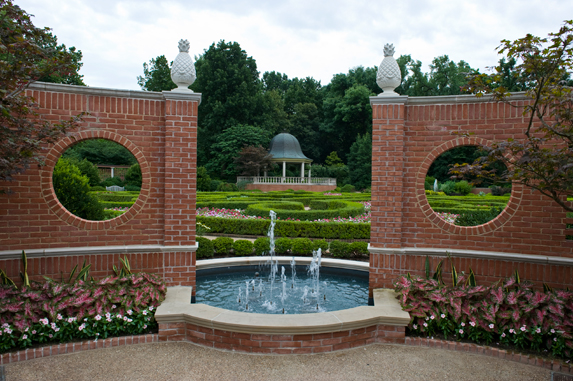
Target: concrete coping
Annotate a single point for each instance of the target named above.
(177, 308)
(205, 264)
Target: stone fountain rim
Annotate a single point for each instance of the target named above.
(177, 308)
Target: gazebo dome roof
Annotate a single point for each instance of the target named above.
(286, 147)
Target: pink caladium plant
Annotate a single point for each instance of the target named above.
(513, 312)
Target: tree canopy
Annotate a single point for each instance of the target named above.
(156, 75)
(28, 54)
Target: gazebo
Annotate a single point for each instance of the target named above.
(285, 148)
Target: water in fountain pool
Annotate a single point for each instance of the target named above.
(337, 289)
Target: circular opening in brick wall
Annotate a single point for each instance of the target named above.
(95, 182)
(473, 206)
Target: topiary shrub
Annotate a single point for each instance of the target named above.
(477, 217)
(320, 244)
(242, 247)
(203, 180)
(133, 176)
(358, 249)
(112, 181)
(97, 188)
(448, 187)
(227, 187)
(131, 188)
(463, 187)
(215, 185)
(73, 191)
(283, 245)
(223, 245)
(89, 170)
(205, 249)
(262, 245)
(348, 188)
(302, 246)
(339, 249)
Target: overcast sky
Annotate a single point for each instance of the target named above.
(298, 38)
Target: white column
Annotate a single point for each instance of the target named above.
(265, 173)
(111, 171)
(284, 168)
(309, 177)
(302, 170)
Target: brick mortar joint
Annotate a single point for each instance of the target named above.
(73, 347)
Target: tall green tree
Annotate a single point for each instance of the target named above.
(229, 83)
(360, 162)
(49, 43)
(229, 144)
(100, 151)
(156, 75)
(23, 60)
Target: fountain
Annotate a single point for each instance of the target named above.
(308, 314)
(307, 292)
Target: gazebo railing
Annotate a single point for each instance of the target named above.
(288, 180)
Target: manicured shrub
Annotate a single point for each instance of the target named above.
(205, 249)
(358, 249)
(215, 185)
(429, 183)
(262, 245)
(203, 180)
(477, 217)
(320, 244)
(302, 246)
(463, 187)
(89, 170)
(340, 249)
(110, 181)
(448, 187)
(223, 245)
(132, 188)
(227, 187)
(327, 230)
(97, 188)
(243, 247)
(283, 245)
(348, 188)
(73, 191)
(133, 176)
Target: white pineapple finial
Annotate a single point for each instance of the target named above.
(388, 76)
(183, 69)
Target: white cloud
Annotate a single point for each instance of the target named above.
(300, 38)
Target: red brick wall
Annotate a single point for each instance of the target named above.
(407, 136)
(281, 344)
(161, 132)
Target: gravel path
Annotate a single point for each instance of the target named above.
(185, 361)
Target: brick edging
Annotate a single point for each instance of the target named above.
(58, 349)
(555, 365)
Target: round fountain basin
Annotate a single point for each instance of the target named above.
(249, 289)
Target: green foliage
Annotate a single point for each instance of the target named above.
(229, 83)
(500, 191)
(97, 188)
(340, 249)
(283, 245)
(262, 245)
(28, 54)
(130, 188)
(243, 247)
(302, 246)
(229, 143)
(226, 187)
(539, 159)
(133, 176)
(73, 191)
(156, 75)
(88, 170)
(327, 230)
(223, 245)
(101, 151)
(205, 249)
(477, 217)
(112, 181)
(448, 187)
(332, 160)
(296, 211)
(348, 188)
(215, 184)
(360, 161)
(429, 183)
(463, 188)
(358, 249)
(445, 77)
(320, 244)
(203, 180)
